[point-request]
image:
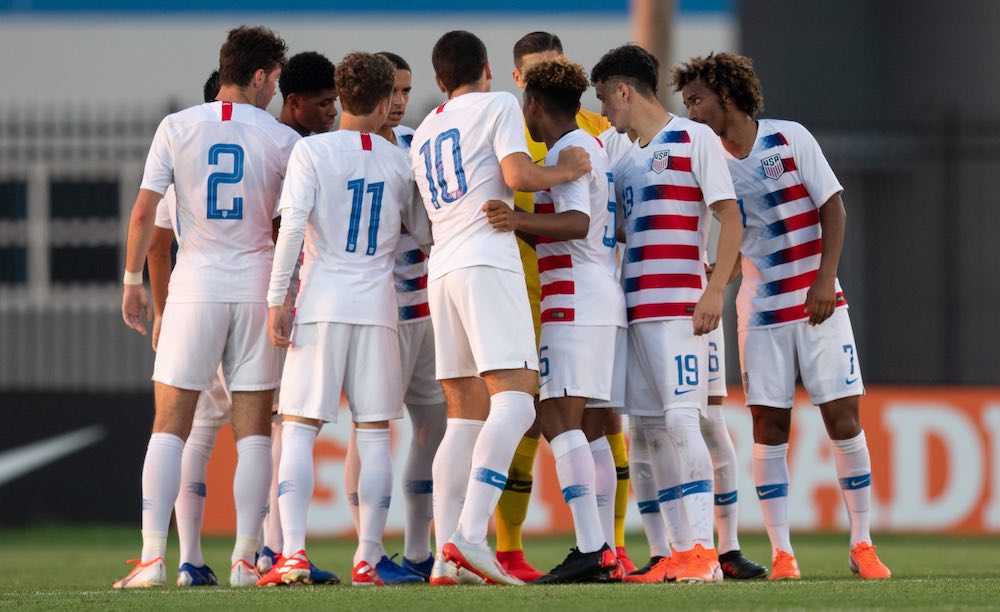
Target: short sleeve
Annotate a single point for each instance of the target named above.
(708, 164)
(301, 183)
(816, 173)
(163, 208)
(159, 171)
(508, 128)
(574, 195)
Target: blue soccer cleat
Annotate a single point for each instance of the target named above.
(319, 576)
(422, 568)
(266, 560)
(189, 575)
(392, 573)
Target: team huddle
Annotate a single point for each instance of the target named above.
(506, 271)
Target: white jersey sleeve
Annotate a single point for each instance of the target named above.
(708, 164)
(508, 131)
(815, 170)
(159, 171)
(165, 209)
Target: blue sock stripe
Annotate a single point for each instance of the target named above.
(385, 502)
(696, 486)
(488, 476)
(285, 486)
(725, 499)
(856, 482)
(573, 491)
(198, 488)
(649, 507)
(772, 491)
(603, 500)
(670, 494)
(352, 499)
(419, 487)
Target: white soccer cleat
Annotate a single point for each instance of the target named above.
(446, 573)
(478, 559)
(243, 574)
(152, 573)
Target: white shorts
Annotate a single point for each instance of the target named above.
(482, 322)
(667, 367)
(618, 378)
(577, 361)
(196, 337)
(327, 358)
(416, 356)
(717, 363)
(215, 406)
(825, 356)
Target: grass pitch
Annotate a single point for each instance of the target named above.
(73, 568)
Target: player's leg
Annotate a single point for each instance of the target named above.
(647, 495)
(512, 509)
(272, 541)
(352, 471)
(615, 434)
(605, 481)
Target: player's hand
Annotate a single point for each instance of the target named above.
(707, 313)
(709, 268)
(156, 331)
(135, 307)
(277, 326)
(501, 216)
(821, 300)
(575, 161)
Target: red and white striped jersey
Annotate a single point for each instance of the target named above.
(665, 189)
(578, 279)
(781, 186)
(410, 270)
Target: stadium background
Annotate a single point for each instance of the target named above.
(892, 90)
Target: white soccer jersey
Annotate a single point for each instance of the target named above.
(353, 191)
(781, 186)
(166, 210)
(616, 147)
(665, 188)
(578, 276)
(410, 271)
(456, 162)
(226, 162)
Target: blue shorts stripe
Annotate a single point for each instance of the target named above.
(725, 499)
(772, 491)
(856, 482)
(649, 507)
(488, 476)
(573, 491)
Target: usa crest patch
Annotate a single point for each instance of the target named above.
(660, 161)
(773, 168)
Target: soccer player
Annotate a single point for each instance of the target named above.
(423, 396)
(583, 308)
(346, 195)
(792, 312)
(467, 151)
(215, 312)
(674, 171)
(609, 452)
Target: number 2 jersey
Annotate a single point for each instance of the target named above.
(456, 155)
(781, 186)
(226, 162)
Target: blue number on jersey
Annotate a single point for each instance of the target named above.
(713, 357)
(687, 370)
(612, 240)
(437, 182)
(627, 196)
(225, 178)
(357, 186)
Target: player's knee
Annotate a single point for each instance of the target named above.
(771, 426)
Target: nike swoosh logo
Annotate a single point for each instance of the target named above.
(687, 490)
(766, 492)
(679, 392)
(858, 483)
(722, 500)
(17, 462)
(543, 383)
(851, 381)
(714, 379)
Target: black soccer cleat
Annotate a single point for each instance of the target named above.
(597, 566)
(737, 567)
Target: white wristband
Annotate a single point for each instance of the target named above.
(132, 278)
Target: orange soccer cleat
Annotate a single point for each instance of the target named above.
(784, 567)
(627, 566)
(654, 571)
(866, 564)
(701, 565)
(516, 565)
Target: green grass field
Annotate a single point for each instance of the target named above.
(73, 568)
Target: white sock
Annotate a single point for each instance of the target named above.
(720, 445)
(161, 480)
(854, 469)
(575, 469)
(646, 492)
(770, 475)
(189, 509)
(511, 415)
(684, 431)
(251, 484)
(429, 423)
(272, 537)
(374, 492)
(452, 464)
(295, 483)
(667, 474)
(605, 485)
(352, 469)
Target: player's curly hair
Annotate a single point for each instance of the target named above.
(306, 74)
(558, 84)
(459, 58)
(363, 80)
(247, 50)
(629, 64)
(729, 75)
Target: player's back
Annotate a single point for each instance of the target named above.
(226, 162)
(456, 162)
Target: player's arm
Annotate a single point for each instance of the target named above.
(522, 174)
(821, 299)
(135, 300)
(568, 225)
(158, 262)
(708, 311)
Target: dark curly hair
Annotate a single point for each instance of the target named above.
(458, 58)
(558, 84)
(247, 50)
(364, 79)
(535, 42)
(306, 74)
(729, 75)
(629, 64)
(211, 87)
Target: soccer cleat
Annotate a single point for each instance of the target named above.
(291, 570)
(243, 574)
(654, 571)
(674, 563)
(365, 574)
(266, 560)
(866, 564)
(422, 569)
(392, 573)
(514, 563)
(152, 573)
(578, 567)
(784, 567)
(189, 575)
(737, 567)
(627, 566)
(478, 559)
(446, 573)
(319, 576)
(701, 566)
